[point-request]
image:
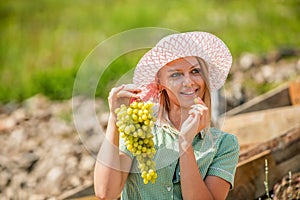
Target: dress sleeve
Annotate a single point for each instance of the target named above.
(225, 161)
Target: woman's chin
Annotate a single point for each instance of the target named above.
(187, 103)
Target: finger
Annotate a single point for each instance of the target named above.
(199, 106)
(199, 109)
(132, 88)
(116, 90)
(126, 94)
(193, 112)
(200, 115)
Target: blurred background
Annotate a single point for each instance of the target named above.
(43, 44)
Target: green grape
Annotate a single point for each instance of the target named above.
(135, 124)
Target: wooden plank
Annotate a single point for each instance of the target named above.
(254, 157)
(249, 178)
(79, 192)
(275, 98)
(289, 139)
(294, 92)
(261, 126)
(292, 165)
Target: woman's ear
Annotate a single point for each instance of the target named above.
(159, 87)
(157, 82)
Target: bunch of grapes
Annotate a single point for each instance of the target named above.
(134, 124)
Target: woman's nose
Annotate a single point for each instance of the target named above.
(187, 81)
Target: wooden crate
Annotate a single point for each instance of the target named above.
(283, 155)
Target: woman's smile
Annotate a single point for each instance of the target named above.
(189, 93)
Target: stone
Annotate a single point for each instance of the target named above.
(87, 163)
(27, 161)
(16, 138)
(54, 175)
(19, 115)
(74, 181)
(6, 123)
(248, 60)
(267, 73)
(103, 119)
(5, 179)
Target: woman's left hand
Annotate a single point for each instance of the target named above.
(197, 120)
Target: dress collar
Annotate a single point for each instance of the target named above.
(175, 132)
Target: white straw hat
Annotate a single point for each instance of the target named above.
(204, 45)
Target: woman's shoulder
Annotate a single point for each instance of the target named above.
(226, 143)
(224, 136)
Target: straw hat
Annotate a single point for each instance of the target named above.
(201, 44)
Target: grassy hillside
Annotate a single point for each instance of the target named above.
(43, 43)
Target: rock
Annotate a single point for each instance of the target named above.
(53, 180)
(60, 128)
(6, 123)
(248, 60)
(19, 115)
(27, 161)
(36, 102)
(5, 179)
(85, 117)
(71, 164)
(273, 56)
(267, 73)
(37, 106)
(87, 163)
(8, 108)
(54, 175)
(9, 193)
(19, 180)
(16, 139)
(74, 181)
(103, 119)
(41, 155)
(93, 143)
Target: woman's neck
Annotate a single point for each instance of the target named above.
(177, 116)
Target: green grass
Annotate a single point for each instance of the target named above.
(43, 43)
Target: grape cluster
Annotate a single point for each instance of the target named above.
(134, 124)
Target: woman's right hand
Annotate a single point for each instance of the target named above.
(122, 95)
(197, 120)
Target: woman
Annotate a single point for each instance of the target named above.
(194, 161)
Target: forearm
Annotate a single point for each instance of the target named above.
(111, 168)
(192, 184)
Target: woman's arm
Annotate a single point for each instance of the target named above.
(112, 166)
(192, 184)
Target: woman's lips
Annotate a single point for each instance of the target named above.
(189, 93)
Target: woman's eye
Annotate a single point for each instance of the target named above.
(196, 71)
(175, 74)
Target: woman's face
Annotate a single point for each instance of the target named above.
(183, 81)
